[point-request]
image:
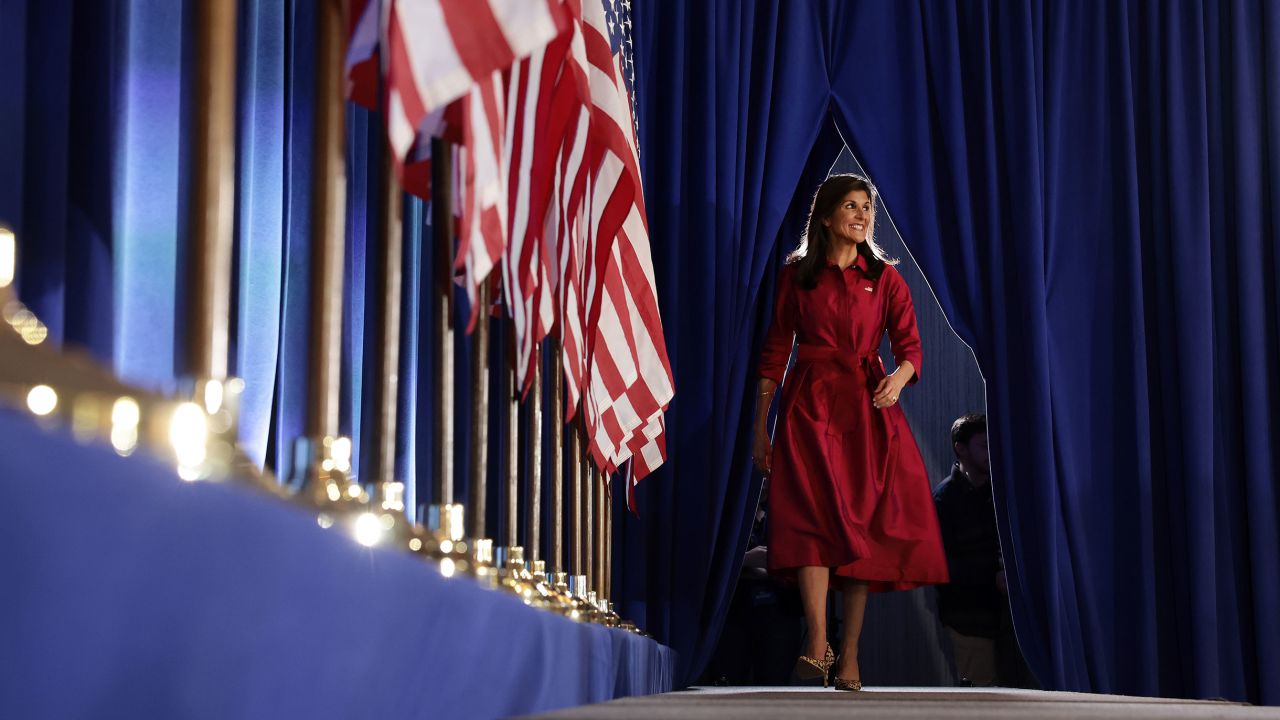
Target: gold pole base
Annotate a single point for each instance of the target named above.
(382, 522)
(514, 577)
(586, 597)
(573, 607)
(207, 448)
(321, 475)
(443, 540)
(557, 602)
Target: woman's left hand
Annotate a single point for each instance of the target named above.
(889, 389)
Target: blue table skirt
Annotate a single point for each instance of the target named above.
(125, 592)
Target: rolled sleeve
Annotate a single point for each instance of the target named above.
(780, 338)
(904, 336)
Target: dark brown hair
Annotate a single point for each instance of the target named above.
(810, 255)
(966, 426)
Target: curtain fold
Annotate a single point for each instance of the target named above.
(261, 135)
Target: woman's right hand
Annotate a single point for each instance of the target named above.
(762, 452)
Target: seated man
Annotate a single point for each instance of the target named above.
(974, 605)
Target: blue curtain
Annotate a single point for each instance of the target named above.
(1086, 188)
(94, 139)
(56, 176)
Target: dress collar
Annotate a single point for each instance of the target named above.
(860, 263)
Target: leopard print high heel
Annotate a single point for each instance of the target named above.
(811, 672)
(847, 685)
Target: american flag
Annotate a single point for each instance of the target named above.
(481, 185)
(443, 63)
(537, 109)
(629, 384)
(578, 256)
(548, 183)
(546, 133)
(617, 17)
(438, 50)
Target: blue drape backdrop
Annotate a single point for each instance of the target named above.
(1086, 188)
(1084, 185)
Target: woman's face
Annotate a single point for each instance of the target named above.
(852, 218)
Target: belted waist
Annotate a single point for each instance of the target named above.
(867, 364)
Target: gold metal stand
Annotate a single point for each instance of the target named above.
(442, 538)
(442, 532)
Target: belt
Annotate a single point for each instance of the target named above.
(839, 356)
(869, 365)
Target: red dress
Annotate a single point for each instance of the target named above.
(849, 489)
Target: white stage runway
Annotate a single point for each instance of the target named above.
(905, 703)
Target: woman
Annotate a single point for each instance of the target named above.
(850, 499)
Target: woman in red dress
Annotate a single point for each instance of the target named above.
(849, 497)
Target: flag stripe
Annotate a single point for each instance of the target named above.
(480, 43)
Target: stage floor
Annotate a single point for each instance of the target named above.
(904, 703)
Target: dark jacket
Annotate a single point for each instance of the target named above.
(971, 603)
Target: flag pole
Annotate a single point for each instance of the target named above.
(587, 490)
(558, 578)
(604, 609)
(511, 443)
(328, 207)
(442, 311)
(597, 569)
(575, 505)
(445, 521)
(559, 569)
(514, 573)
(213, 201)
(478, 491)
(380, 466)
(583, 480)
(533, 499)
(576, 592)
(557, 460)
(325, 458)
(608, 544)
(208, 263)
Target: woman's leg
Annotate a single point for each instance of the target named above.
(855, 607)
(813, 595)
